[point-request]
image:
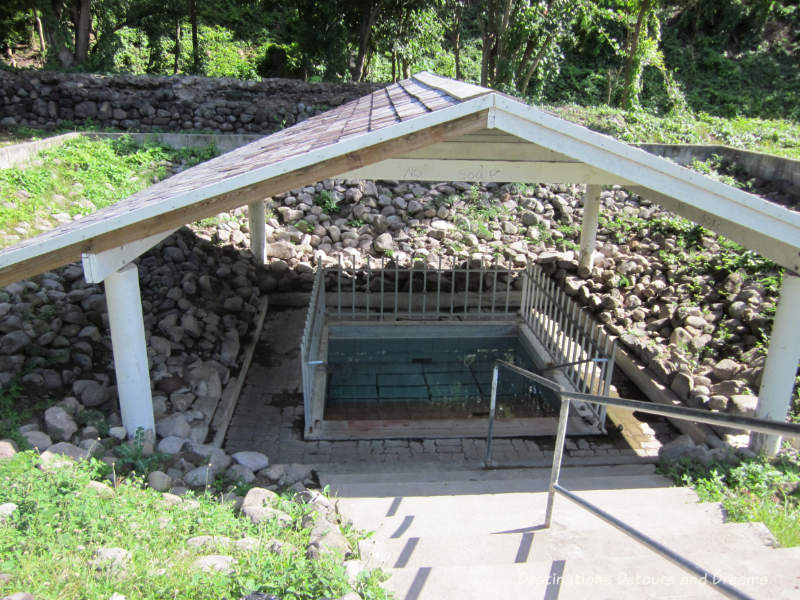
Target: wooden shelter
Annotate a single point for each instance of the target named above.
(425, 128)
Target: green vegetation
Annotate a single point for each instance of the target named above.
(754, 490)
(327, 201)
(779, 137)
(49, 543)
(81, 176)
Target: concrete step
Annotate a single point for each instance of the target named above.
(749, 539)
(439, 482)
(598, 578)
(480, 514)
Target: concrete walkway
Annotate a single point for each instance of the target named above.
(448, 534)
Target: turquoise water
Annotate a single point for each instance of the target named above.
(449, 376)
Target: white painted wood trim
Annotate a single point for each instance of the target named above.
(98, 266)
(484, 170)
(295, 163)
(489, 151)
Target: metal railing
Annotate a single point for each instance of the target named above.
(390, 292)
(674, 412)
(583, 350)
(310, 356)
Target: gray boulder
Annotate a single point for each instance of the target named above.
(59, 424)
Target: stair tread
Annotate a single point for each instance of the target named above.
(598, 578)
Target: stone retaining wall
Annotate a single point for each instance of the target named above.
(50, 99)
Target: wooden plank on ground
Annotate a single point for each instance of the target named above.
(230, 396)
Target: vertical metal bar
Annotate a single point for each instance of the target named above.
(508, 288)
(339, 287)
(410, 284)
(577, 346)
(425, 288)
(572, 340)
(492, 407)
(466, 289)
(558, 454)
(353, 294)
(453, 286)
(383, 280)
(480, 286)
(396, 287)
(524, 303)
(494, 285)
(369, 287)
(439, 287)
(588, 368)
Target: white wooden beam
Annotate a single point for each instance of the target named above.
(780, 369)
(256, 215)
(591, 214)
(98, 266)
(130, 351)
(483, 150)
(484, 170)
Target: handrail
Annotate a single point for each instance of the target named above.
(677, 412)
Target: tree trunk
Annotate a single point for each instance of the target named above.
(39, 30)
(368, 17)
(394, 66)
(633, 47)
(177, 47)
(82, 28)
(457, 38)
(498, 16)
(195, 43)
(532, 68)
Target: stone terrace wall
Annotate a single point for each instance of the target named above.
(50, 99)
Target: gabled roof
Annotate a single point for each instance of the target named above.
(425, 128)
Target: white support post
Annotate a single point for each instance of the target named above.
(258, 231)
(591, 214)
(130, 350)
(780, 369)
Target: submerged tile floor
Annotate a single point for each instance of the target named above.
(269, 418)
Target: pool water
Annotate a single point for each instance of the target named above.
(429, 377)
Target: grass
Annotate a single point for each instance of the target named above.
(773, 136)
(754, 490)
(49, 543)
(82, 176)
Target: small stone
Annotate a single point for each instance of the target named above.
(111, 559)
(38, 440)
(240, 473)
(327, 538)
(215, 563)
(743, 404)
(7, 449)
(208, 542)
(101, 489)
(678, 447)
(255, 461)
(159, 481)
(171, 499)
(172, 445)
(725, 369)
(91, 393)
(59, 423)
(7, 509)
(61, 454)
(200, 476)
(118, 433)
(174, 425)
(20, 596)
(274, 473)
(256, 507)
